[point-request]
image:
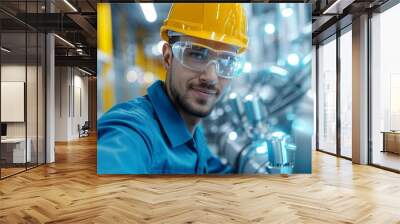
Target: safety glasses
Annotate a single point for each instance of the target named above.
(198, 57)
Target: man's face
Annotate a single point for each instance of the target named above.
(194, 92)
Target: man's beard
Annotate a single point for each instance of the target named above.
(185, 105)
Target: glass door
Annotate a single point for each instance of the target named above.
(327, 96)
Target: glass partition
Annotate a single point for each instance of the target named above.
(14, 153)
(22, 77)
(385, 85)
(346, 94)
(327, 96)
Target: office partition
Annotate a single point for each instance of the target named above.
(22, 89)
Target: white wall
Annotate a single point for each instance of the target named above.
(33, 126)
(79, 117)
(70, 83)
(13, 101)
(62, 81)
(15, 72)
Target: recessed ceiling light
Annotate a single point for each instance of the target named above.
(149, 11)
(5, 50)
(64, 40)
(70, 5)
(84, 71)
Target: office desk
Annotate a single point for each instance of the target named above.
(391, 141)
(16, 147)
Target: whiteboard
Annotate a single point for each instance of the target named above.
(12, 101)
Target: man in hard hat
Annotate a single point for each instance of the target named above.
(160, 132)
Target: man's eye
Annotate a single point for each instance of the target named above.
(197, 55)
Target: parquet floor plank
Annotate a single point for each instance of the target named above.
(70, 191)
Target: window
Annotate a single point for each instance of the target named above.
(385, 85)
(327, 97)
(346, 94)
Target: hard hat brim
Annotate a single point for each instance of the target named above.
(213, 36)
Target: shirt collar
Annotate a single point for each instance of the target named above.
(171, 121)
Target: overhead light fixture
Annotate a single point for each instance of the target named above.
(70, 5)
(5, 50)
(286, 12)
(337, 7)
(149, 11)
(269, 28)
(65, 41)
(84, 71)
(293, 59)
(79, 51)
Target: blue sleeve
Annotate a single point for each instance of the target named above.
(121, 148)
(214, 165)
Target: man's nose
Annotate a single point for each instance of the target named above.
(210, 74)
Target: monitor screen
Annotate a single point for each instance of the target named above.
(3, 129)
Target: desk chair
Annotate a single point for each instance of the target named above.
(84, 130)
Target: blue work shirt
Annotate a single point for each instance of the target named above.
(147, 135)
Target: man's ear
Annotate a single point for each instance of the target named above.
(167, 56)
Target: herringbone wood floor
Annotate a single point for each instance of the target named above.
(69, 191)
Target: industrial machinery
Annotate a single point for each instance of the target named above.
(256, 133)
(264, 123)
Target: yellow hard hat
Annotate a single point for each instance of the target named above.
(221, 22)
